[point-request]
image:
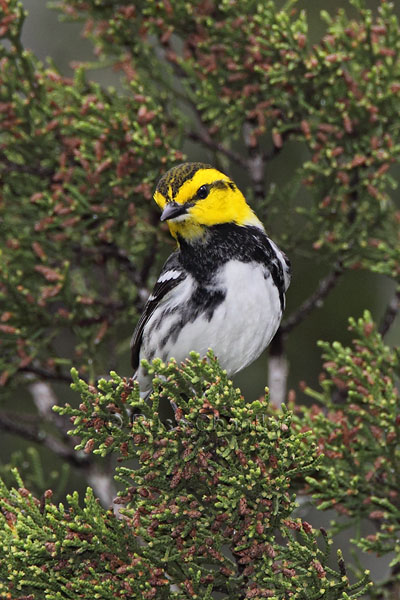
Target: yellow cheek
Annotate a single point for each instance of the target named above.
(209, 213)
(222, 209)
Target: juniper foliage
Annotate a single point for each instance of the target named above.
(359, 475)
(84, 159)
(208, 502)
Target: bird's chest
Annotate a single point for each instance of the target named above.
(251, 298)
(236, 313)
(243, 324)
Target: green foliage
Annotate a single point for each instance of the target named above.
(208, 502)
(254, 64)
(62, 553)
(358, 435)
(82, 162)
(36, 475)
(204, 502)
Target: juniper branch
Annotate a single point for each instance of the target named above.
(33, 434)
(99, 479)
(324, 287)
(10, 166)
(46, 374)
(204, 138)
(390, 313)
(255, 163)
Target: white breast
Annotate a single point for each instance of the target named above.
(244, 324)
(240, 327)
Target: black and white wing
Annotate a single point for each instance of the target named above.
(278, 266)
(171, 275)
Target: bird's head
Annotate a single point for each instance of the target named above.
(194, 196)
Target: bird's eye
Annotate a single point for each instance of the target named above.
(202, 192)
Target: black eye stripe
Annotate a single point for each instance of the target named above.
(205, 189)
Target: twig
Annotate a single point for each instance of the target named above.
(203, 136)
(316, 299)
(391, 587)
(205, 139)
(150, 257)
(100, 479)
(47, 375)
(390, 314)
(103, 485)
(278, 371)
(108, 250)
(255, 163)
(111, 250)
(33, 434)
(277, 363)
(275, 150)
(10, 166)
(44, 398)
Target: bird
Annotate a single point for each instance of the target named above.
(223, 288)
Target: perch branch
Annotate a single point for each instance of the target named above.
(390, 314)
(324, 287)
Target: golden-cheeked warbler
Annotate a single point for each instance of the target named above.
(223, 287)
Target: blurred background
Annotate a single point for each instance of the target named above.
(53, 39)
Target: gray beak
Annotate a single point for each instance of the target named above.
(173, 210)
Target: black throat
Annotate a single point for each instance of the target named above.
(228, 241)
